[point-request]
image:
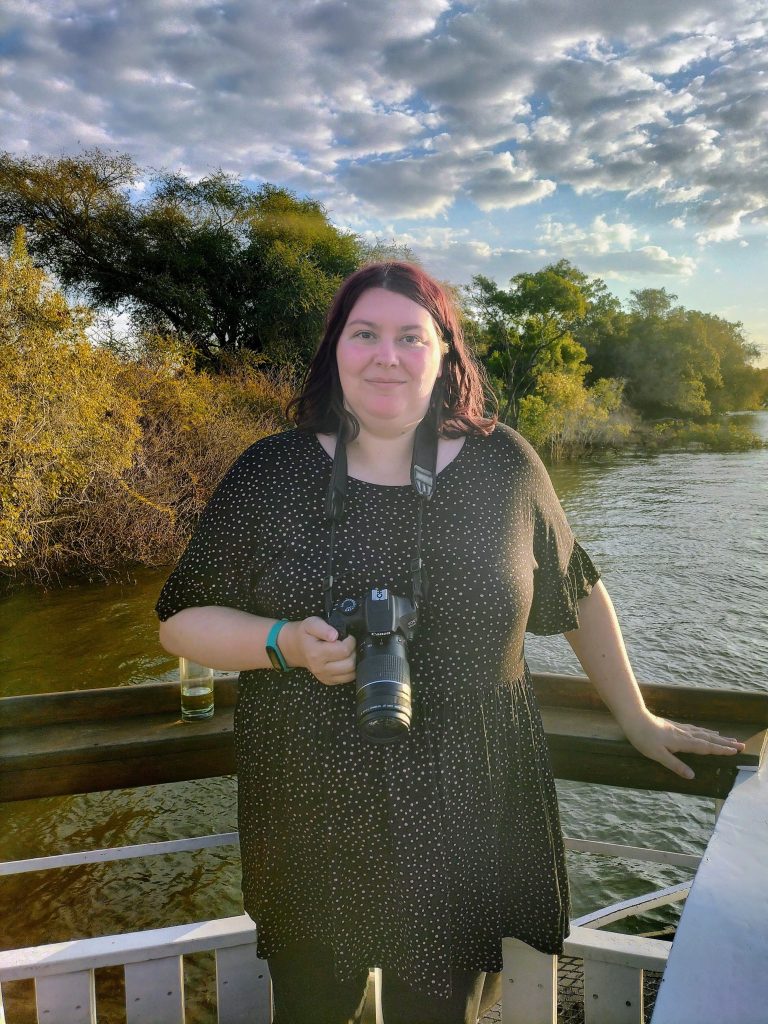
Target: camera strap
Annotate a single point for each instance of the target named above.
(423, 480)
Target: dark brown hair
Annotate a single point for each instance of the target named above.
(459, 396)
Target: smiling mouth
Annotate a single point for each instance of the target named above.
(373, 381)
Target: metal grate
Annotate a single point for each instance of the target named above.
(570, 994)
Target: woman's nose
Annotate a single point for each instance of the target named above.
(386, 352)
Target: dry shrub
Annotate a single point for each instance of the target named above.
(193, 426)
(108, 460)
(63, 421)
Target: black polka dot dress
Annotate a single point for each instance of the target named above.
(417, 856)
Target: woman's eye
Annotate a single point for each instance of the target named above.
(408, 339)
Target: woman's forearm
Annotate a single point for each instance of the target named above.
(599, 646)
(224, 638)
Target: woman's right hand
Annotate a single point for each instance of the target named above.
(313, 644)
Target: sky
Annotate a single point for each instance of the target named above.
(491, 137)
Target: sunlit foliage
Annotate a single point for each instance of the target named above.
(223, 265)
(108, 461)
(564, 418)
(63, 419)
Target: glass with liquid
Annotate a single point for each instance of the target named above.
(196, 690)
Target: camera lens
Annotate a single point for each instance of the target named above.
(383, 690)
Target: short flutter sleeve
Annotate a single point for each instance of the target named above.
(564, 571)
(218, 564)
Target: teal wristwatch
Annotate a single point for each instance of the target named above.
(274, 653)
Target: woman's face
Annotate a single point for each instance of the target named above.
(389, 357)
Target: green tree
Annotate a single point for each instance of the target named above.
(601, 329)
(675, 362)
(652, 305)
(225, 266)
(108, 460)
(742, 386)
(527, 330)
(671, 367)
(564, 418)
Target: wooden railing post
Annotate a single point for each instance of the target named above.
(612, 994)
(613, 977)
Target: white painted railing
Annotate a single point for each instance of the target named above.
(154, 993)
(718, 965)
(153, 960)
(613, 977)
(112, 853)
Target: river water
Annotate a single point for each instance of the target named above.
(682, 543)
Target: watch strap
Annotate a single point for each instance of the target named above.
(275, 655)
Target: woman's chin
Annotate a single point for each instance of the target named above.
(385, 408)
(387, 413)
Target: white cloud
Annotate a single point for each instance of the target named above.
(453, 254)
(611, 250)
(403, 188)
(497, 182)
(404, 108)
(601, 237)
(724, 216)
(674, 55)
(367, 130)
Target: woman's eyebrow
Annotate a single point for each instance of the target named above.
(405, 327)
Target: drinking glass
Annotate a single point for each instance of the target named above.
(196, 690)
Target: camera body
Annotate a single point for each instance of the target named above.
(382, 623)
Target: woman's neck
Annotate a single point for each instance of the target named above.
(381, 457)
(388, 462)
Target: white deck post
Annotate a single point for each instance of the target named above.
(154, 991)
(613, 994)
(66, 998)
(243, 986)
(529, 980)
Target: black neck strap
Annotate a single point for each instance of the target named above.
(423, 480)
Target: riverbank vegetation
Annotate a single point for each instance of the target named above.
(113, 441)
(109, 457)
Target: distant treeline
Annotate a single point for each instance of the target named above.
(114, 445)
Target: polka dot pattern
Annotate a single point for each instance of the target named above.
(418, 856)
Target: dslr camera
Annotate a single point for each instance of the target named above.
(382, 623)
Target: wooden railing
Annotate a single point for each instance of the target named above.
(152, 962)
(112, 738)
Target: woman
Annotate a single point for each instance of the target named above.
(417, 856)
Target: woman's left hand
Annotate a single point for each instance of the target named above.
(659, 738)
